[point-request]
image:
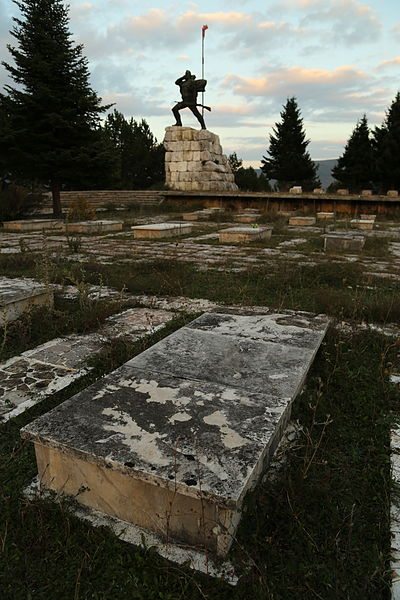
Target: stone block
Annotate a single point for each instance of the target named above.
(177, 156)
(181, 166)
(368, 217)
(174, 439)
(34, 225)
(187, 134)
(97, 226)
(20, 295)
(318, 191)
(160, 230)
(362, 223)
(343, 192)
(205, 155)
(341, 242)
(194, 166)
(302, 221)
(296, 189)
(366, 192)
(392, 193)
(237, 235)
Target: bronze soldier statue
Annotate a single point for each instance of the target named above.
(190, 87)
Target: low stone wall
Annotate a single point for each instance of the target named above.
(194, 161)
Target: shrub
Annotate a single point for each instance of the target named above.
(81, 210)
(17, 202)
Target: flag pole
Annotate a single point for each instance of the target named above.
(203, 35)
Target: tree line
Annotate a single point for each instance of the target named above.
(50, 121)
(51, 127)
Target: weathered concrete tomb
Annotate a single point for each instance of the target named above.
(20, 295)
(97, 226)
(362, 223)
(248, 217)
(160, 230)
(172, 440)
(302, 221)
(325, 216)
(233, 235)
(198, 215)
(34, 225)
(194, 161)
(342, 242)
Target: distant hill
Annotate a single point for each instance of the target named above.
(324, 171)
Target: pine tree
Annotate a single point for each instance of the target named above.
(289, 162)
(139, 158)
(354, 168)
(235, 163)
(53, 133)
(386, 149)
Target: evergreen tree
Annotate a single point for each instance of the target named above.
(354, 168)
(234, 162)
(386, 149)
(139, 158)
(247, 179)
(289, 162)
(53, 132)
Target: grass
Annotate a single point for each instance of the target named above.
(319, 530)
(341, 290)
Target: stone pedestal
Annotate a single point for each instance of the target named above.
(194, 161)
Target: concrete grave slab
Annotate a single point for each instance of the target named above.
(342, 242)
(249, 217)
(302, 221)
(198, 215)
(34, 225)
(26, 379)
(133, 323)
(20, 295)
(98, 226)
(173, 439)
(362, 223)
(161, 230)
(325, 216)
(244, 234)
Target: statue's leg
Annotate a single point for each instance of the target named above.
(198, 116)
(176, 114)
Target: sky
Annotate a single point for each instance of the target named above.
(339, 58)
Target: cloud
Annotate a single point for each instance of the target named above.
(345, 22)
(289, 81)
(393, 62)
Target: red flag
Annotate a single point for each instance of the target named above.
(203, 30)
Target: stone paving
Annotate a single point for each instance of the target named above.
(38, 373)
(120, 248)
